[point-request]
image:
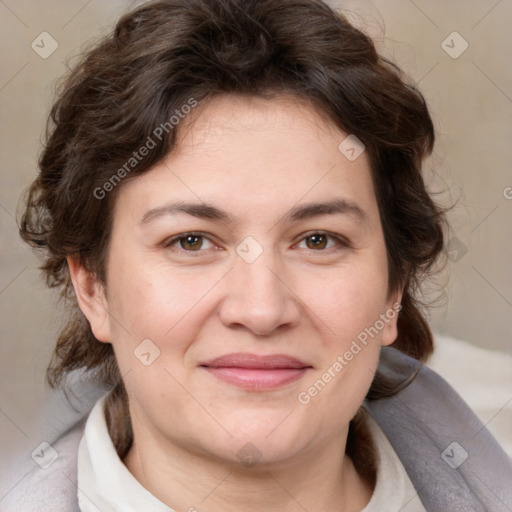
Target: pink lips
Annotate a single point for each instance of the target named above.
(253, 372)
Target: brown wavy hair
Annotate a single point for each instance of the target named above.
(164, 53)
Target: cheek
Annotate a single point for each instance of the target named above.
(349, 299)
(352, 304)
(153, 324)
(151, 302)
(143, 296)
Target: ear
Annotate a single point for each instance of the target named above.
(390, 318)
(91, 298)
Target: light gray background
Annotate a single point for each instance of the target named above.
(470, 98)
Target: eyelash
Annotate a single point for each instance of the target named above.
(342, 242)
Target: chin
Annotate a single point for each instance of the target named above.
(260, 453)
(264, 436)
(260, 423)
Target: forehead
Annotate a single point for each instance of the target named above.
(254, 155)
(248, 118)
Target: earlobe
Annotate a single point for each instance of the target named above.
(91, 299)
(393, 308)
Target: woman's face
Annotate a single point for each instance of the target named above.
(258, 242)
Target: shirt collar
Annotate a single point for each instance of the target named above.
(104, 482)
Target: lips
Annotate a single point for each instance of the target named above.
(255, 372)
(246, 360)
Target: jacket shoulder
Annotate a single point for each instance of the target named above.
(51, 485)
(451, 457)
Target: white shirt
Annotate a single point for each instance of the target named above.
(106, 484)
(394, 490)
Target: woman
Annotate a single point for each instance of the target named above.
(231, 198)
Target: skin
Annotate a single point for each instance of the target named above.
(256, 159)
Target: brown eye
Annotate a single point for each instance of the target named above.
(324, 242)
(318, 241)
(191, 242)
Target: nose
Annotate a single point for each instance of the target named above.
(259, 297)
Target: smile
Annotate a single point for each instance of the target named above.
(256, 373)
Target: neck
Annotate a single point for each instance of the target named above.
(323, 479)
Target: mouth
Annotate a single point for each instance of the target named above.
(254, 372)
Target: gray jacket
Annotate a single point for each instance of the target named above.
(451, 458)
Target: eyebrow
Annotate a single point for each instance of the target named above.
(301, 212)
